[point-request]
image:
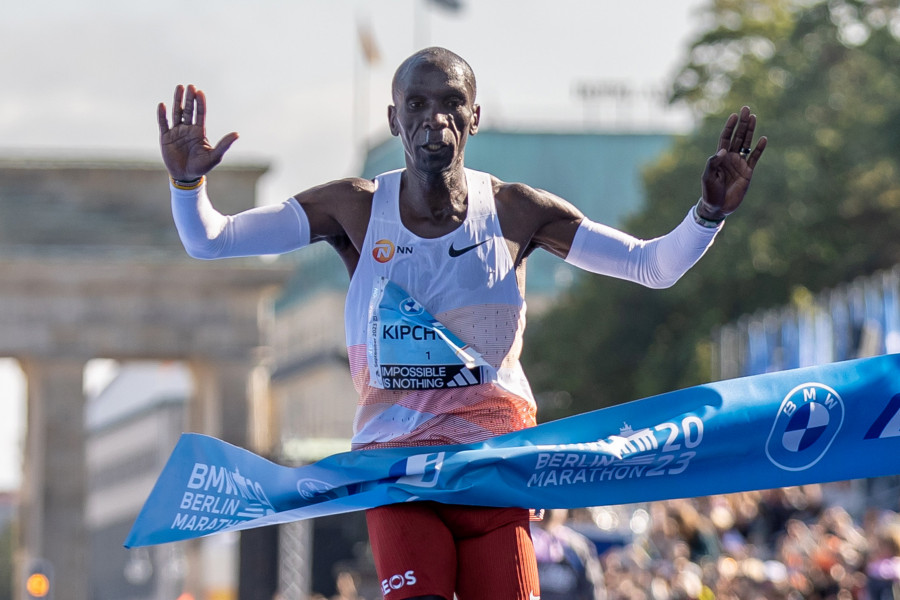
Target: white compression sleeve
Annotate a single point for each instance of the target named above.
(656, 263)
(206, 233)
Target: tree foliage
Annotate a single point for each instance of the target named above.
(824, 206)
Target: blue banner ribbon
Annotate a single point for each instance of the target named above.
(827, 423)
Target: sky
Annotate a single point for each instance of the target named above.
(82, 79)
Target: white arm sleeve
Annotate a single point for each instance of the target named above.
(206, 233)
(656, 263)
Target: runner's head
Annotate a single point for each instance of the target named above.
(435, 55)
(434, 109)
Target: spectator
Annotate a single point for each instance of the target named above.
(883, 568)
(787, 544)
(568, 567)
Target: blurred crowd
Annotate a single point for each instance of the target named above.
(833, 541)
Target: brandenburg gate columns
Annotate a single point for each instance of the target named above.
(91, 267)
(221, 403)
(54, 484)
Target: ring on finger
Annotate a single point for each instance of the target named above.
(745, 152)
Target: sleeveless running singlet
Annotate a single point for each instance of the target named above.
(467, 281)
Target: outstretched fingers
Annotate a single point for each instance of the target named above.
(224, 144)
(188, 107)
(201, 108)
(161, 119)
(745, 132)
(727, 132)
(740, 139)
(177, 108)
(188, 112)
(747, 137)
(757, 152)
(186, 151)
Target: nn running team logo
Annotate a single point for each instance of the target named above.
(808, 420)
(383, 251)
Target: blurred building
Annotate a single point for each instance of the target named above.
(132, 426)
(92, 268)
(8, 503)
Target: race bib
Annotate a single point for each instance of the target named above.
(408, 349)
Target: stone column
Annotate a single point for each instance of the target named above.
(295, 560)
(221, 403)
(221, 407)
(54, 483)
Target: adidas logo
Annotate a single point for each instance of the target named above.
(463, 378)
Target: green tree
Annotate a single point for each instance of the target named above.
(824, 206)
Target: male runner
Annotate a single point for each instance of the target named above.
(449, 243)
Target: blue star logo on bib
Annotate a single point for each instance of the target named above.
(408, 349)
(411, 307)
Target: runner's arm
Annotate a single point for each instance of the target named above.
(533, 218)
(317, 214)
(336, 212)
(660, 262)
(656, 263)
(208, 234)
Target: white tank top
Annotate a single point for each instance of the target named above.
(466, 279)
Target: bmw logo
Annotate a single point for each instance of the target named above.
(808, 420)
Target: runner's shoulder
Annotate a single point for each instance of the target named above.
(505, 191)
(350, 189)
(524, 197)
(334, 197)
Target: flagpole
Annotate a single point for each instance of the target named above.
(368, 55)
(361, 99)
(420, 24)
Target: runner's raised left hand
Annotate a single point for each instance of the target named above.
(728, 172)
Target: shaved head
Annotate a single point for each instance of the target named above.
(440, 57)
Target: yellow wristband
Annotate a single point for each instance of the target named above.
(187, 185)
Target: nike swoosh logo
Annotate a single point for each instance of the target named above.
(454, 252)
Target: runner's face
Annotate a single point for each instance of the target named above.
(433, 114)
